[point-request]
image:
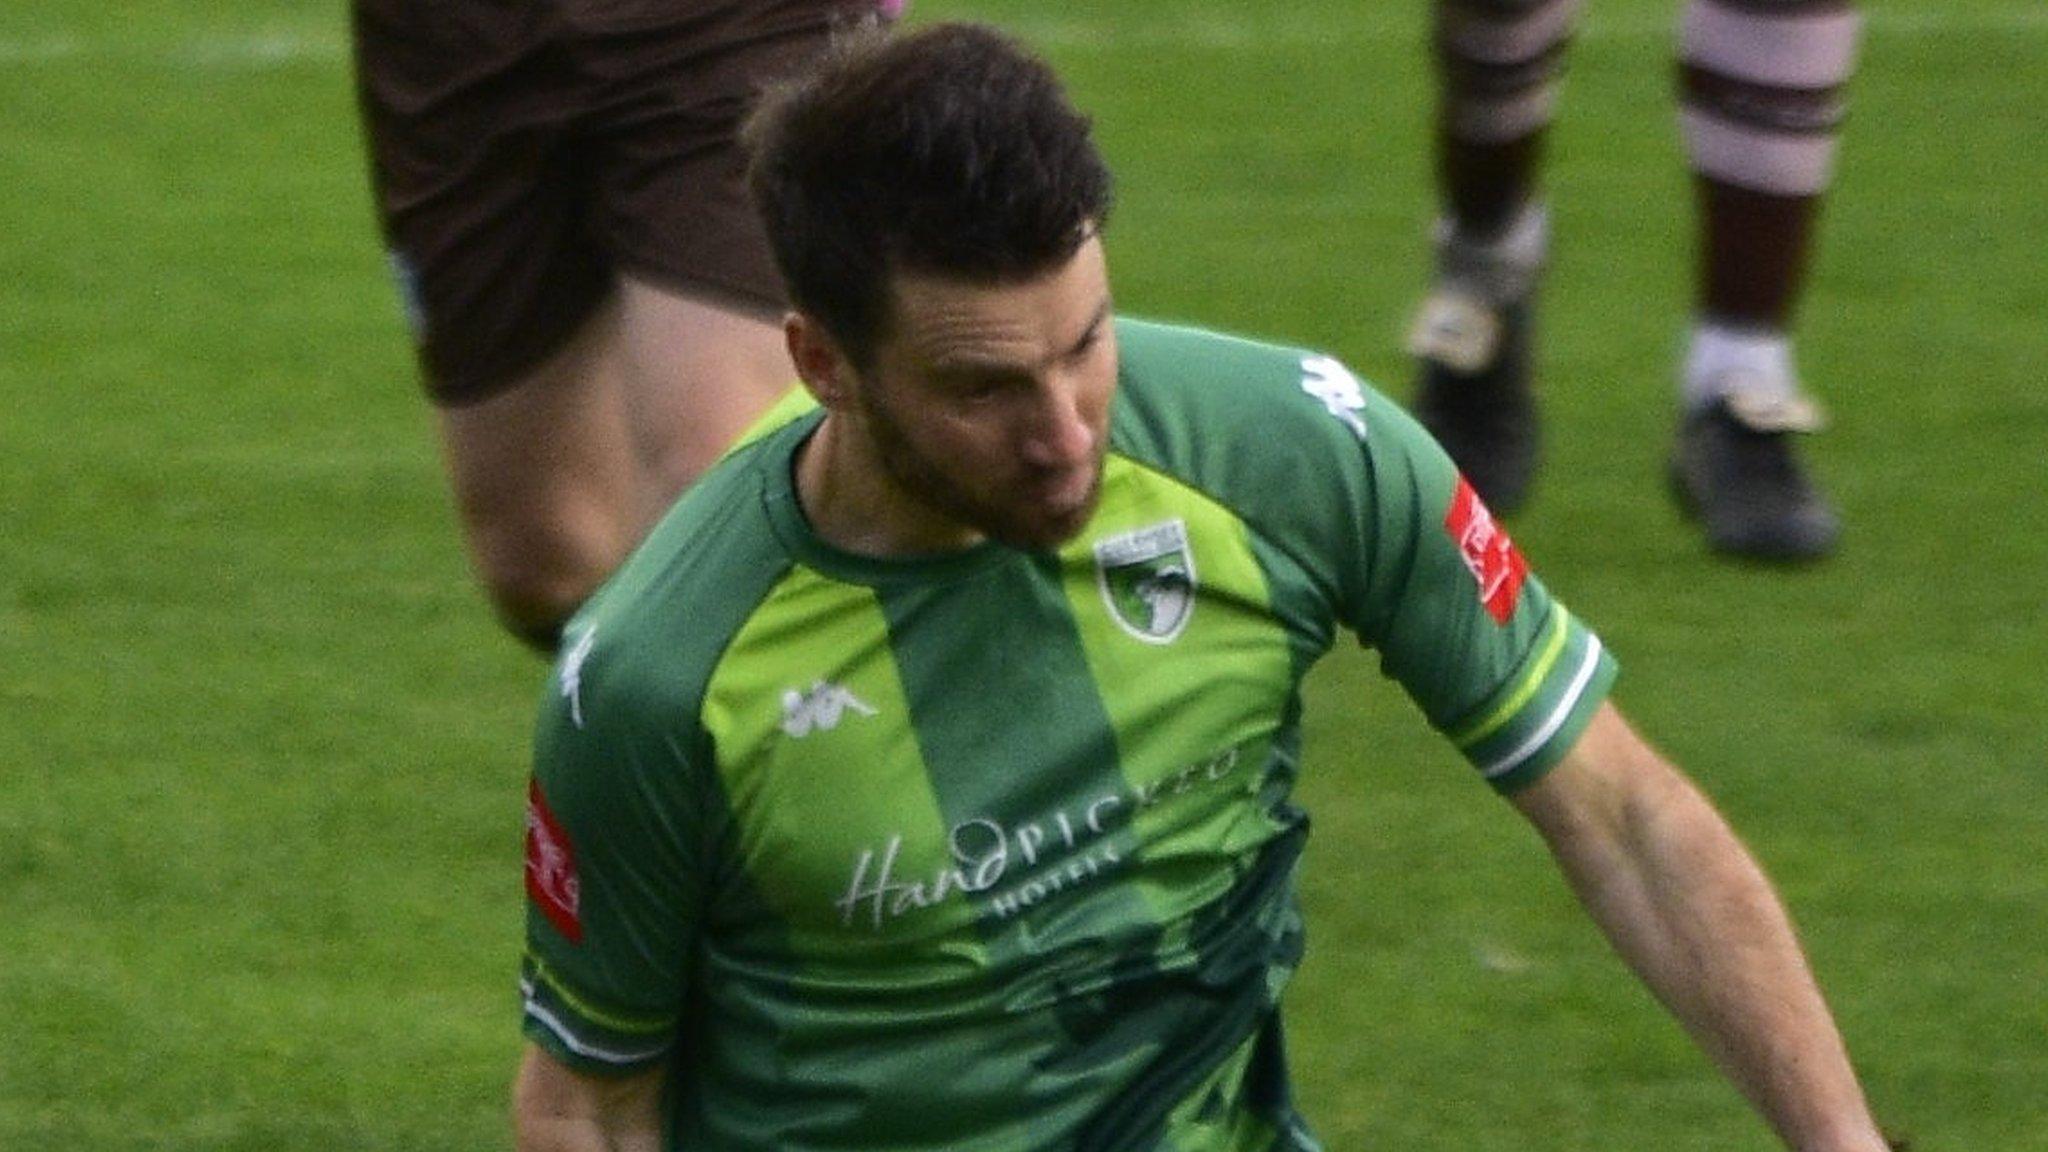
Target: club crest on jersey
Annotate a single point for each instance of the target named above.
(1147, 577)
(1489, 554)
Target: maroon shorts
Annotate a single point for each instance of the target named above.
(525, 152)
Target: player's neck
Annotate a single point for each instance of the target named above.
(852, 504)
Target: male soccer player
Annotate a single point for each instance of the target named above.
(560, 185)
(1761, 100)
(923, 781)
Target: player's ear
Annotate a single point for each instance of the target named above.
(820, 363)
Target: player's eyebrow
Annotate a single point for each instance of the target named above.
(1094, 328)
(972, 367)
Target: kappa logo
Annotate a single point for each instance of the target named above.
(1147, 578)
(1489, 554)
(819, 709)
(571, 677)
(1332, 383)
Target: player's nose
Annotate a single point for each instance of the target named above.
(1059, 433)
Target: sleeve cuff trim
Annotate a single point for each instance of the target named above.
(1561, 712)
(560, 1031)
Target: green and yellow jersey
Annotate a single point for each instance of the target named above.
(995, 851)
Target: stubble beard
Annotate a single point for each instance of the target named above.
(922, 480)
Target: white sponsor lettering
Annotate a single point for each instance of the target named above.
(1020, 865)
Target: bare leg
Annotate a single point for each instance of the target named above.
(697, 375)
(558, 477)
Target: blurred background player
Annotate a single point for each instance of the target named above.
(596, 313)
(1761, 99)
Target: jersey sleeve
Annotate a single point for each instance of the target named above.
(613, 869)
(1459, 620)
(1363, 523)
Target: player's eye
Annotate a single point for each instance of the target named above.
(981, 391)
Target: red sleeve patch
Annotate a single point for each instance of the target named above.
(1489, 554)
(551, 867)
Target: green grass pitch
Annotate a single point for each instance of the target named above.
(261, 748)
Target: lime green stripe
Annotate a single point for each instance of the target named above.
(544, 974)
(793, 404)
(1532, 682)
(799, 817)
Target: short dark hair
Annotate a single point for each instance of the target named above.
(949, 150)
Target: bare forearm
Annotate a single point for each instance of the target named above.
(555, 1110)
(1704, 930)
(542, 1135)
(1691, 912)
